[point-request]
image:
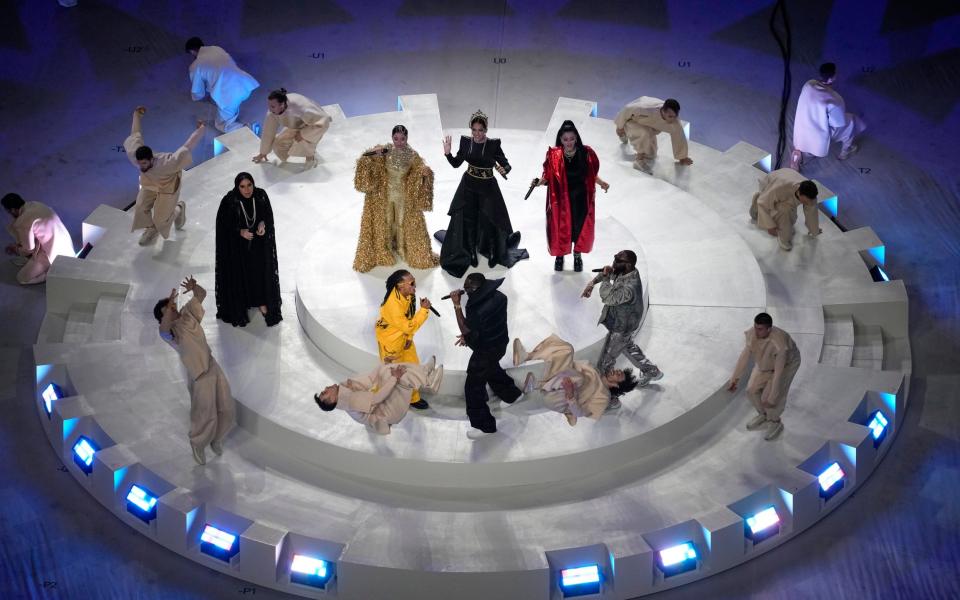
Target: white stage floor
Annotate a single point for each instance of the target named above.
(424, 506)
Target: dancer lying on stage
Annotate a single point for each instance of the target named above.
(304, 122)
(398, 188)
(570, 172)
(212, 409)
(622, 293)
(158, 203)
(484, 330)
(774, 207)
(479, 221)
(822, 119)
(571, 387)
(776, 361)
(214, 72)
(399, 320)
(39, 238)
(639, 123)
(381, 398)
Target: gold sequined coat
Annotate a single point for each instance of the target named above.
(396, 193)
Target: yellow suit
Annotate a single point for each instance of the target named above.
(395, 332)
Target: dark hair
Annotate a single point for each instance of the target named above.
(763, 319)
(12, 201)
(143, 153)
(193, 44)
(628, 384)
(567, 127)
(323, 405)
(395, 278)
(809, 189)
(279, 95)
(671, 104)
(158, 308)
(828, 70)
(479, 119)
(239, 178)
(399, 129)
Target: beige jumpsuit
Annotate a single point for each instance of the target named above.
(775, 206)
(377, 399)
(591, 396)
(776, 360)
(641, 122)
(40, 237)
(303, 116)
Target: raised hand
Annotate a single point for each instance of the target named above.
(447, 144)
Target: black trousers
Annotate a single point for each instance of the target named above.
(483, 369)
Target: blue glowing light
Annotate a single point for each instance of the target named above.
(831, 480)
(879, 253)
(831, 205)
(256, 127)
(883, 274)
(217, 147)
(678, 559)
(51, 394)
(83, 452)
(766, 163)
(594, 111)
(580, 581)
(763, 524)
(307, 570)
(142, 503)
(218, 543)
(878, 427)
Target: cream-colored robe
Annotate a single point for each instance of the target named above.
(302, 115)
(214, 72)
(776, 360)
(160, 184)
(377, 399)
(212, 408)
(591, 396)
(641, 122)
(41, 237)
(775, 205)
(821, 118)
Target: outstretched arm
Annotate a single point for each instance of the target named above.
(195, 137)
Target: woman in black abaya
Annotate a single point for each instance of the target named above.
(246, 264)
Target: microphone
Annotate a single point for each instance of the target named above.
(597, 270)
(447, 297)
(434, 311)
(379, 152)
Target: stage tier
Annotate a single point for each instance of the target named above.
(424, 512)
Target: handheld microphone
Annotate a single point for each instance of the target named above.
(434, 311)
(447, 297)
(596, 271)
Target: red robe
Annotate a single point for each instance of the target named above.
(558, 203)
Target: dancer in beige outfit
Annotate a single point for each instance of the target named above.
(776, 360)
(158, 201)
(304, 124)
(39, 238)
(381, 398)
(212, 408)
(642, 120)
(774, 207)
(573, 388)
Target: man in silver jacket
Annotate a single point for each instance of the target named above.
(622, 294)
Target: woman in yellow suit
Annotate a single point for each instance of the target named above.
(399, 320)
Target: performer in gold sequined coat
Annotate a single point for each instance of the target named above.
(398, 187)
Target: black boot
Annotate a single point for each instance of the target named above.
(558, 264)
(577, 262)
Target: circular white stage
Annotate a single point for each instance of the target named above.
(424, 512)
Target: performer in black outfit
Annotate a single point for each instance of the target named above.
(246, 267)
(479, 222)
(484, 330)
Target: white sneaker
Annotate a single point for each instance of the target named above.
(756, 423)
(519, 353)
(571, 419)
(199, 455)
(787, 246)
(476, 434)
(530, 383)
(776, 428)
(310, 162)
(181, 217)
(217, 448)
(148, 236)
(848, 152)
(433, 381)
(429, 366)
(641, 165)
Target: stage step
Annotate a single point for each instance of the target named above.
(868, 347)
(106, 319)
(79, 324)
(750, 154)
(838, 341)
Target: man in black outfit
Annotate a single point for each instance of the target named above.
(484, 330)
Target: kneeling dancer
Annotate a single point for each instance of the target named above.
(572, 387)
(381, 398)
(212, 408)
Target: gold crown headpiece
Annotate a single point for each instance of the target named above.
(479, 115)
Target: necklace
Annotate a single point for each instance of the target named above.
(569, 156)
(246, 219)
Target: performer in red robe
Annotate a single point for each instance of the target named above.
(570, 174)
